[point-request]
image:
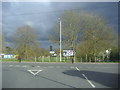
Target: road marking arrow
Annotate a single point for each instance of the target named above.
(34, 72)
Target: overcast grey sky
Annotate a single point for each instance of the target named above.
(43, 15)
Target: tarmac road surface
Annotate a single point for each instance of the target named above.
(59, 75)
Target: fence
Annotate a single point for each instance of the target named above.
(53, 59)
(57, 59)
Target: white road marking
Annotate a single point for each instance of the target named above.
(88, 81)
(37, 71)
(77, 68)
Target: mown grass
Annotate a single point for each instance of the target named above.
(54, 59)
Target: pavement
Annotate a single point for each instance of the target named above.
(59, 75)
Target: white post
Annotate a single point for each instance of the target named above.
(60, 42)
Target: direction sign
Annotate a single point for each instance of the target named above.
(52, 52)
(68, 52)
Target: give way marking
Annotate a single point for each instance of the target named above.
(34, 72)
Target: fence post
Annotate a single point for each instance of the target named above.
(74, 59)
(86, 57)
(95, 59)
(49, 58)
(103, 57)
(35, 58)
(42, 58)
(90, 60)
(64, 59)
(56, 58)
(81, 59)
(99, 59)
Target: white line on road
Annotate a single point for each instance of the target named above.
(77, 68)
(88, 81)
(32, 71)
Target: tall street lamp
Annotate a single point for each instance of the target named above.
(60, 41)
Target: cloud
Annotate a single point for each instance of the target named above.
(29, 23)
(43, 15)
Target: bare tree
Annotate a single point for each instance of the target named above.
(97, 36)
(71, 27)
(90, 32)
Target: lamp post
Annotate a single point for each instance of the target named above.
(60, 41)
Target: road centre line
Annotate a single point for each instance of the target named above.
(88, 81)
(86, 78)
